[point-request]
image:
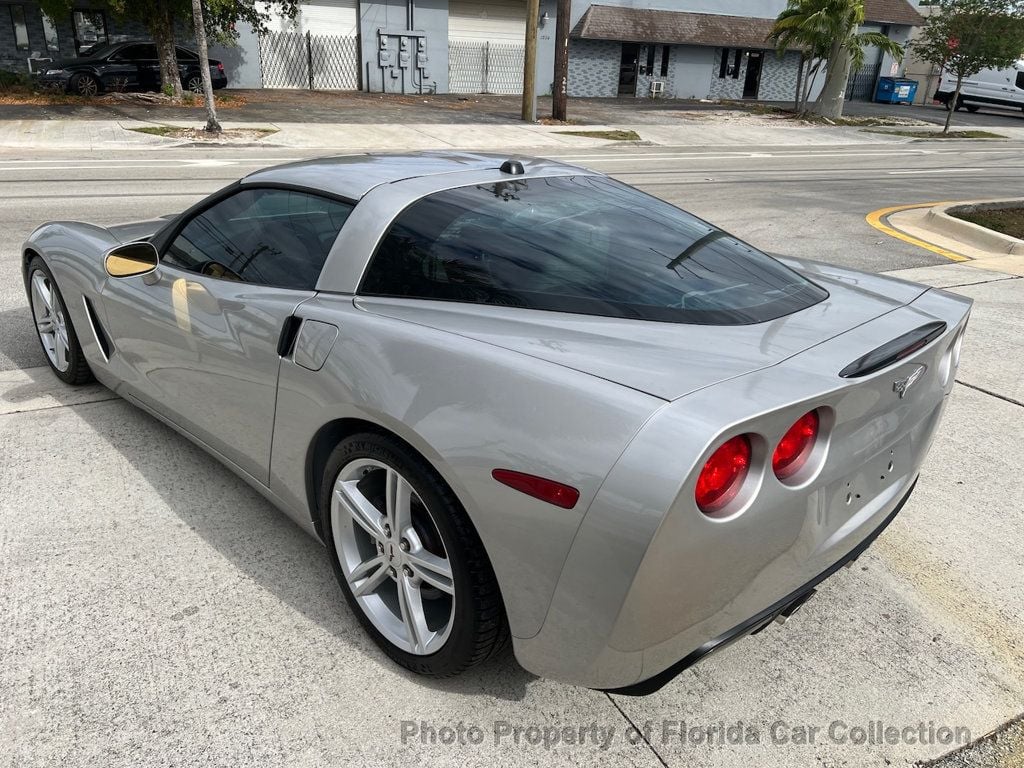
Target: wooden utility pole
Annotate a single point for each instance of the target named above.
(530, 62)
(559, 95)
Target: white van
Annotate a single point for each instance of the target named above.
(994, 87)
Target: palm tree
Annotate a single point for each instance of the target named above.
(831, 27)
(813, 47)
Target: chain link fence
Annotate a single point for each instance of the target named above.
(487, 67)
(305, 60)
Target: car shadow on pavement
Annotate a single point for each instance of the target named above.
(264, 544)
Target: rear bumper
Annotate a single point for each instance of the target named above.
(784, 607)
(651, 584)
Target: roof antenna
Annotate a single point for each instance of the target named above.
(513, 167)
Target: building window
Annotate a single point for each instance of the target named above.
(650, 59)
(90, 29)
(50, 34)
(20, 28)
(665, 49)
(723, 63)
(737, 56)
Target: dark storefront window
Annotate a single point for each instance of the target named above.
(665, 49)
(50, 34)
(90, 29)
(650, 59)
(723, 63)
(20, 28)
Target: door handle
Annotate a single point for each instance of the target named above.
(289, 332)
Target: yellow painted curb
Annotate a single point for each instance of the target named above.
(875, 219)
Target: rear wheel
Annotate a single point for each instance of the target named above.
(408, 560)
(972, 108)
(53, 326)
(195, 84)
(85, 85)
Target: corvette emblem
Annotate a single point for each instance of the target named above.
(902, 386)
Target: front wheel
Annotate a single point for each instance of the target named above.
(408, 560)
(85, 85)
(195, 84)
(972, 108)
(54, 330)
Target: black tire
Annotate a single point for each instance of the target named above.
(84, 84)
(480, 628)
(959, 104)
(194, 84)
(972, 108)
(78, 371)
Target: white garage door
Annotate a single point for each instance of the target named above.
(320, 17)
(485, 46)
(318, 49)
(487, 20)
(330, 17)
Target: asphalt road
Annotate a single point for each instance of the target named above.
(155, 610)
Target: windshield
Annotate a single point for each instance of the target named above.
(583, 244)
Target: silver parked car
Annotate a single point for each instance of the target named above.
(517, 399)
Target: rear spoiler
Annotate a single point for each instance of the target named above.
(894, 351)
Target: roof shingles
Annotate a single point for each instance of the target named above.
(648, 25)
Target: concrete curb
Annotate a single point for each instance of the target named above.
(940, 221)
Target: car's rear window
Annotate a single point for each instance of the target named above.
(583, 244)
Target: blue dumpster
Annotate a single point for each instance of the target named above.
(895, 90)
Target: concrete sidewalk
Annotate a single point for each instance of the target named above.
(700, 129)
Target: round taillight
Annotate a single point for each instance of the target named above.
(795, 446)
(723, 474)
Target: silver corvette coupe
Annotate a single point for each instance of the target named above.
(517, 400)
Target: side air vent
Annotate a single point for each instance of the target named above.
(102, 340)
(894, 351)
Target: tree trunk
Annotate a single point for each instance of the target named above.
(559, 95)
(812, 78)
(161, 27)
(953, 103)
(212, 126)
(801, 75)
(830, 103)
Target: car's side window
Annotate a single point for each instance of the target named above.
(276, 237)
(1020, 80)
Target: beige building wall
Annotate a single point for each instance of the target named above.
(927, 75)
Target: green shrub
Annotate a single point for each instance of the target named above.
(10, 80)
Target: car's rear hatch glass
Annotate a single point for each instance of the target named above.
(585, 245)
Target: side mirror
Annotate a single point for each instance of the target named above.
(131, 260)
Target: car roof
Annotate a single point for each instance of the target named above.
(352, 176)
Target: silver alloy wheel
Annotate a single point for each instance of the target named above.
(392, 556)
(195, 84)
(51, 323)
(87, 86)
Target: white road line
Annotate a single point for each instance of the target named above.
(661, 156)
(938, 170)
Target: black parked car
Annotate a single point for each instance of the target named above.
(131, 66)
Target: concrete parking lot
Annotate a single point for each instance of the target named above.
(156, 611)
